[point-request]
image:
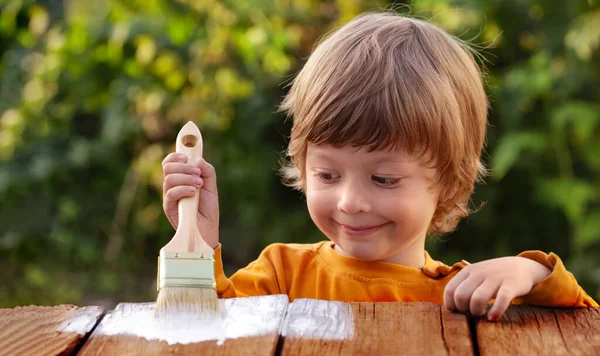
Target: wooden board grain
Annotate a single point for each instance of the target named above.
(528, 330)
(34, 330)
(315, 327)
(248, 326)
(580, 329)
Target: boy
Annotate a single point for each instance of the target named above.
(389, 123)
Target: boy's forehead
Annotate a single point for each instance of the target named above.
(330, 152)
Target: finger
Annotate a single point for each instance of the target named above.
(179, 180)
(481, 296)
(185, 168)
(503, 298)
(176, 180)
(174, 157)
(209, 176)
(463, 293)
(451, 288)
(172, 197)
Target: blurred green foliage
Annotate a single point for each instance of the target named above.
(94, 92)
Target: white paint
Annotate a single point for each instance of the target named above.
(241, 317)
(319, 319)
(81, 320)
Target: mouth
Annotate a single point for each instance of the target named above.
(363, 230)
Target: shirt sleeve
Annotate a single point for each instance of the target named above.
(559, 289)
(258, 278)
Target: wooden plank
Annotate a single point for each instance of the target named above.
(528, 330)
(580, 329)
(247, 326)
(34, 330)
(316, 327)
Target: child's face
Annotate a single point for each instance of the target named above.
(375, 206)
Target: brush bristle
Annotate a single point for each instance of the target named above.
(187, 300)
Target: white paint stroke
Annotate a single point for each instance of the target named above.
(81, 320)
(319, 319)
(241, 317)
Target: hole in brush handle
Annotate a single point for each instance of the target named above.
(189, 141)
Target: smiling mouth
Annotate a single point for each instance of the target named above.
(359, 230)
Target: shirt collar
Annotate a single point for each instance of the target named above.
(376, 269)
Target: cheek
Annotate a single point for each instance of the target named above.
(408, 206)
(317, 203)
(320, 211)
(310, 202)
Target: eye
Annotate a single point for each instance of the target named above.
(326, 177)
(385, 181)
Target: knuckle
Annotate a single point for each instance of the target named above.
(478, 301)
(207, 167)
(168, 196)
(506, 291)
(170, 180)
(174, 194)
(462, 297)
(167, 168)
(169, 158)
(478, 273)
(449, 291)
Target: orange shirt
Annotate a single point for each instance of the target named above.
(317, 271)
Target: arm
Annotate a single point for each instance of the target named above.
(558, 289)
(258, 278)
(506, 278)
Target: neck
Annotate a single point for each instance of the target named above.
(412, 255)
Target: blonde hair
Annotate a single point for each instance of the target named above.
(384, 80)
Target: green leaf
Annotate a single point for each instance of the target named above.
(571, 195)
(581, 116)
(588, 232)
(36, 276)
(511, 147)
(180, 31)
(584, 36)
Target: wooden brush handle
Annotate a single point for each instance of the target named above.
(189, 143)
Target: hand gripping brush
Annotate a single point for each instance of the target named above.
(186, 278)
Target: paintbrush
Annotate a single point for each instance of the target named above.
(186, 278)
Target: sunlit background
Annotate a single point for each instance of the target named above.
(93, 94)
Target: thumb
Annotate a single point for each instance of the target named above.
(209, 176)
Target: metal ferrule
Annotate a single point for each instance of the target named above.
(186, 269)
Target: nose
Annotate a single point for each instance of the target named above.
(354, 199)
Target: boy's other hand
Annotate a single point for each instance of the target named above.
(181, 179)
(501, 278)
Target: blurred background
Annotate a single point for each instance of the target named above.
(94, 92)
